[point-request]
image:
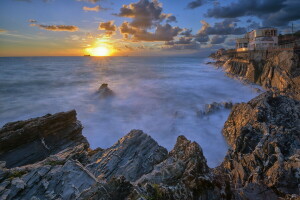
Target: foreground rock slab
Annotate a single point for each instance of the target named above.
(29, 141)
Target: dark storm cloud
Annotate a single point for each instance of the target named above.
(57, 27)
(162, 33)
(271, 12)
(195, 4)
(217, 39)
(145, 13)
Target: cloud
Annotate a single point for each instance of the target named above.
(162, 32)
(186, 32)
(271, 12)
(108, 27)
(170, 18)
(225, 27)
(246, 8)
(57, 27)
(182, 40)
(145, 13)
(2, 30)
(290, 12)
(195, 4)
(217, 39)
(32, 21)
(201, 38)
(91, 1)
(95, 9)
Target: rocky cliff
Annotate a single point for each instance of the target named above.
(274, 70)
(262, 163)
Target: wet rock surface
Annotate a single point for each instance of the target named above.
(262, 163)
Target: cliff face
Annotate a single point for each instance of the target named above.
(263, 162)
(279, 70)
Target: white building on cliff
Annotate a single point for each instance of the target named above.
(259, 39)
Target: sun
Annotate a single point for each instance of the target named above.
(99, 51)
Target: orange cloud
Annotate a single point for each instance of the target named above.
(69, 28)
(95, 9)
(3, 30)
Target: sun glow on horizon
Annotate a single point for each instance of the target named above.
(99, 51)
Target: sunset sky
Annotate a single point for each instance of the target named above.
(144, 27)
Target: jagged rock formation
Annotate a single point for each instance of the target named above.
(183, 175)
(132, 156)
(263, 162)
(280, 70)
(265, 138)
(25, 142)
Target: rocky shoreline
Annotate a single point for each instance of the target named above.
(278, 71)
(48, 158)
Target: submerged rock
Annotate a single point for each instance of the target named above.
(29, 141)
(105, 91)
(214, 107)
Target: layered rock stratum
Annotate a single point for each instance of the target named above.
(275, 70)
(49, 158)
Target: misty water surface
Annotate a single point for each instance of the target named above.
(160, 95)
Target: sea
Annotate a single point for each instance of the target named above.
(162, 96)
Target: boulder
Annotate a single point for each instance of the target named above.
(29, 141)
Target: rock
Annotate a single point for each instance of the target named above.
(105, 91)
(214, 107)
(48, 181)
(115, 189)
(279, 70)
(29, 141)
(183, 175)
(132, 156)
(262, 163)
(265, 138)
